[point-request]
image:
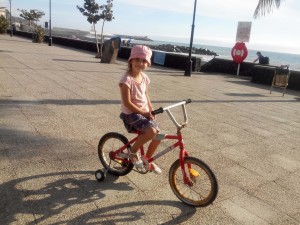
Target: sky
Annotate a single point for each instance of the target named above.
(171, 20)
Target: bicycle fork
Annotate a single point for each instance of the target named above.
(189, 177)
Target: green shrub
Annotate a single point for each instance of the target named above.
(38, 35)
(3, 25)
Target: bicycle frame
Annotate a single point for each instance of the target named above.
(179, 137)
(179, 143)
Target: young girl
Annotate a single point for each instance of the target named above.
(136, 105)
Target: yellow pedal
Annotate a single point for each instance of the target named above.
(194, 173)
(119, 161)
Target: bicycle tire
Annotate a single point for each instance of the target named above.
(111, 142)
(204, 188)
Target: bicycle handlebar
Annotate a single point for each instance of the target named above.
(161, 110)
(157, 111)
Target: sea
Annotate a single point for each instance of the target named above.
(276, 58)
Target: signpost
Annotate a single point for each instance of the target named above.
(239, 51)
(188, 70)
(11, 28)
(50, 24)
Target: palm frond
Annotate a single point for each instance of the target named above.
(266, 6)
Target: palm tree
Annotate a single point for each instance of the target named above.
(266, 6)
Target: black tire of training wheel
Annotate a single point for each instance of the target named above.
(102, 175)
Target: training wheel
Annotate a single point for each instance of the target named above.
(100, 175)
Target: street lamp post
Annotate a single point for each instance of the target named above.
(11, 30)
(188, 70)
(50, 37)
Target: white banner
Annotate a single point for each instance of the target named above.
(243, 32)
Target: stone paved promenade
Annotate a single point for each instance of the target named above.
(56, 103)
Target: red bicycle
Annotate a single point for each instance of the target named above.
(191, 180)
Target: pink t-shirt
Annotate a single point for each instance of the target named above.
(137, 92)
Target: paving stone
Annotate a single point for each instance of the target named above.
(56, 103)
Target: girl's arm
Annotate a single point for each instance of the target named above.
(126, 98)
(149, 104)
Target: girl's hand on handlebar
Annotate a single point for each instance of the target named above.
(152, 117)
(148, 115)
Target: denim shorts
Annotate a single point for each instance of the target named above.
(136, 122)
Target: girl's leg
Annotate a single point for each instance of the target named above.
(142, 139)
(152, 148)
(149, 133)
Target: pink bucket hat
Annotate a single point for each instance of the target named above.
(141, 52)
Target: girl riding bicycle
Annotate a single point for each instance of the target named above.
(136, 105)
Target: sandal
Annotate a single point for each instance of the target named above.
(138, 163)
(154, 168)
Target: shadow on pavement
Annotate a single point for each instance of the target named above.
(59, 102)
(44, 196)
(245, 94)
(72, 60)
(125, 213)
(114, 102)
(11, 138)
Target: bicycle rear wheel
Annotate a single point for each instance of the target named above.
(109, 143)
(202, 188)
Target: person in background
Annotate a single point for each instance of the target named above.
(261, 59)
(128, 42)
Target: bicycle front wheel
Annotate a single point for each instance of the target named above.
(109, 143)
(200, 188)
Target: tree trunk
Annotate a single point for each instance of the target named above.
(102, 37)
(96, 41)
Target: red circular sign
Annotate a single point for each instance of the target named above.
(239, 52)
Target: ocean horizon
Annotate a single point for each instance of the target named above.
(276, 58)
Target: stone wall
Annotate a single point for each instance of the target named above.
(258, 73)
(170, 60)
